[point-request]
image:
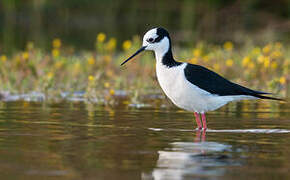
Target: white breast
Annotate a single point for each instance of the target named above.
(186, 95)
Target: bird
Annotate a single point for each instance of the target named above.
(192, 87)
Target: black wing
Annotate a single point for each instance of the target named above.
(216, 84)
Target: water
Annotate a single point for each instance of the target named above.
(71, 140)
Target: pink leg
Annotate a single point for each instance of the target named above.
(203, 121)
(197, 120)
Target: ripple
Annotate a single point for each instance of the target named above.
(265, 131)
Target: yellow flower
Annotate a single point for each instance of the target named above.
(111, 45)
(216, 67)
(194, 60)
(251, 65)
(266, 62)
(196, 52)
(276, 54)
(91, 60)
(261, 59)
(266, 59)
(91, 78)
(229, 62)
(127, 45)
(101, 37)
(267, 48)
(3, 58)
(107, 85)
(274, 65)
(228, 46)
(55, 52)
(112, 92)
(49, 75)
(282, 80)
(25, 55)
(56, 43)
(246, 61)
(256, 51)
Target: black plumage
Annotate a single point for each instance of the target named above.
(216, 84)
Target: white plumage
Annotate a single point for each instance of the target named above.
(185, 94)
(191, 87)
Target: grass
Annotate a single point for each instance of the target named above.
(99, 75)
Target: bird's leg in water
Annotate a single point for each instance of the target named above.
(200, 135)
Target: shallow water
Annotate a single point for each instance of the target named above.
(71, 140)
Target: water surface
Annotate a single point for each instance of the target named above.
(74, 140)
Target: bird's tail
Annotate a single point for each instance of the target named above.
(267, 97)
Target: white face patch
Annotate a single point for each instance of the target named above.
(160, 48)
(150, 34)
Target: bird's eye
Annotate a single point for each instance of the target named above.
(150, 40)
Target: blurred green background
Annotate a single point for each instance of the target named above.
(77, 22)
(68, 46)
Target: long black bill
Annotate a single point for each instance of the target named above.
(137, 52)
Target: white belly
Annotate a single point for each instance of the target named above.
(186, 95)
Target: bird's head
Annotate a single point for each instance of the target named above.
(156, 40)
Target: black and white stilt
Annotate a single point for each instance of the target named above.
(189, 86)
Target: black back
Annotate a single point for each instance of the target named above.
(214, 83)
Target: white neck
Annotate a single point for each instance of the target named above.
(162, 49)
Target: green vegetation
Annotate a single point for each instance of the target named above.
(99, 75)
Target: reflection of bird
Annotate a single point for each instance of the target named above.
(189, 86)
(191, 160)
